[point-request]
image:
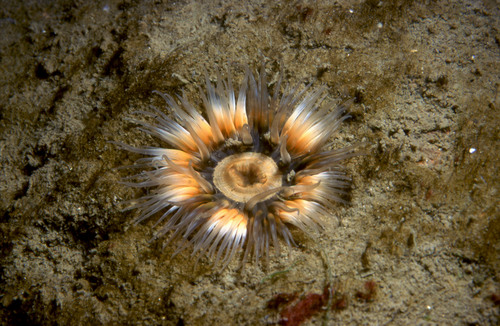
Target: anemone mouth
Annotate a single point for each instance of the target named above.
(239, 176)
(243, 176)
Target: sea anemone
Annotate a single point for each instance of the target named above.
(239, 175)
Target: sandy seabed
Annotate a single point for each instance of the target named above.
(423, 224)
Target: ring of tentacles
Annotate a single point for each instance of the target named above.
(239, 174)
